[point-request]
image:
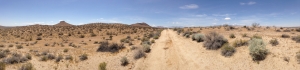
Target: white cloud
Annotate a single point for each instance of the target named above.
(223, 15)
(227, 18)
(251, 3)
(201, 15)
(242, 3)
(190, 6)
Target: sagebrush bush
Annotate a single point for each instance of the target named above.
(39, 38)
(15, 58)
(285, 36)
(257, 49)
(227, 50)
(244, 35)
(106, 47)
(274, 42)
(66, 50)
(146, 48)
(214, 41)
(139, 54)
(296, 38)
(256, 36)
(83, 57)
(3, 54)
(102, 66)
(27, 66)
(298, 56)
(231, 36)
(60, 57)
(238, 43)
(198, 37)
(68, 57)
(10, 45)
(124, 61)
(1, 45)
(298, 29)
(2, 66)
(19, 46)
(81, 36)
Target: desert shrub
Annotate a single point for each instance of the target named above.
(286, 30)
(238, 43)
(256, 36)
(146, 48)
(198, 37)
(2, 54)
(285, 36)
(93, 35)
(133, 47)
(244, 35)
(15, 58)
(274, 42)
(298, 56)
(214, 41)
(19, 46)
(47, 44)
(231, 36)
(1, 45)
(298, 29)
(296, 38)
(152, 41)
(106, 47)
(81, 36)
(59, 58)
(227, 50)
(28, 56)
(124, 61)
(68, 57)
(39, 34)
(187, 36)
(2, 66)
(66, 50)
(102, 66)
(10, 45)
(122, 40)
(83, 57)
(156, 37)
(39, 38)
(139, 54)
(27, 66)
(257, 49)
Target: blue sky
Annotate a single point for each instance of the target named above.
(153, 12)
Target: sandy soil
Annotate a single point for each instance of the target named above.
(174, 52)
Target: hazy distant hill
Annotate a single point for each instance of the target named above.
(63, 23)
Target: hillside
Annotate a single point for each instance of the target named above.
(143, 24)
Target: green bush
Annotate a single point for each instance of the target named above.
(214, 41)
(231, 36)
(102, 66)
(124, 61)
(146, 48)
(274, 42)
(257, 49)
(256, 36)
(198, 37)
(227, 50)
(238, 43)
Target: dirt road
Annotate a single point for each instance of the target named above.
(174, 52)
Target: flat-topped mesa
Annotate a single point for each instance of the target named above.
(143, 24)
(63, 23)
